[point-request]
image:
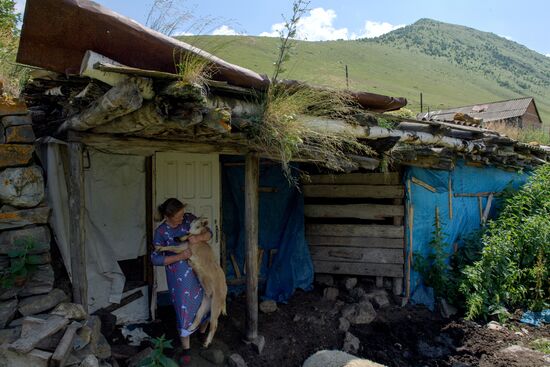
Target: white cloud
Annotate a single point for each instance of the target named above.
(547, 55)
(225, 31)
(507, 37)
(318, 25)
(375, 29)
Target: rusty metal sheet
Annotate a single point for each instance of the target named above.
(57, 33)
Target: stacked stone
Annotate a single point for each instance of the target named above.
(23, 214)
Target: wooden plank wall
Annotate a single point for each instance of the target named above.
(372, 243)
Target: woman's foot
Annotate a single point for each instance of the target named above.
(185, 357)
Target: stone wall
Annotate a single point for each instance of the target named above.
(23, 217)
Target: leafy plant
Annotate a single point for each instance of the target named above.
(514, 268)
(157, 358)
(12, 76)
(22, 264)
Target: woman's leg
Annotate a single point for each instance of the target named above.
(185, 342)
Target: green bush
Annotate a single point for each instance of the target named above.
(514, 268)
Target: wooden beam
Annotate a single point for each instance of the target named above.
(148, 147)
(356, 254)
(65, 346)
(390, 178)
(364, 230)
(371, 242)
(252, 168)
(423, 184)
(356, 268)
(76, 217)
(353, 191)
(361, 211)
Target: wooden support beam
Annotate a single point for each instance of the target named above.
(76, 217)
(354, 191)
(252, 166)
(419, 182)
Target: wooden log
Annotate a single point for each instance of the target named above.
(77, 272)
(353, 191)
(118, 101)
(235, 264)
(361, 230)
(475, 194)
(251, 195)
(28, 342)
(91, 67)
(390, 178)
(358, 268)
(148, 147)
(65, 346)
(361, 211)
(357, 254)
(480, 206)
(13, 155)
(372, 242)
(21, 218)
(423, 184)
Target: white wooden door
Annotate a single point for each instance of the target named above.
(194, 179)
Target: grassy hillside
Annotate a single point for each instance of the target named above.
(451, 65)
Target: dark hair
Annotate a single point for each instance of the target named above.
(170, 207)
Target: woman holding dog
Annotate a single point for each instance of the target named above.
(185, 289)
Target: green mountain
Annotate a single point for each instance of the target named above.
(450, 65)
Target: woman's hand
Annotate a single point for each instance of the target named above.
(185, 254)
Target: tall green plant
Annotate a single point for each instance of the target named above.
(514, 268)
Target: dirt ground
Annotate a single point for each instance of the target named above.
(398, 336)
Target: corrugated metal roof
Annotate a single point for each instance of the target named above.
(487, 111)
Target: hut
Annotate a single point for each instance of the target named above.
(518, 112)
(119, 132)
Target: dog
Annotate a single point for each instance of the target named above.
(210, 274)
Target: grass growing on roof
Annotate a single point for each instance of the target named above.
(286, 128)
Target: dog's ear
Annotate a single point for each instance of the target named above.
(204, 221)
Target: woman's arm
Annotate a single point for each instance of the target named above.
(170, 259)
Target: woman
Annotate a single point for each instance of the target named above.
(185, 289)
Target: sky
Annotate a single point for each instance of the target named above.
(525, 22)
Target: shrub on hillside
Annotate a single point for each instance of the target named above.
(514, 268)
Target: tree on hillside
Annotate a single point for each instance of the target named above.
(12, 76)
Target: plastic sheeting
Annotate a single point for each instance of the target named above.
(466, 210)
(281, 227)
(114, 188)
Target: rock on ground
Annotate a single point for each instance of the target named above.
(22, 186)
(336, 358)
(268, 306)
(351, 343)
(37, 304)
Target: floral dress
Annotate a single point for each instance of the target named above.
(185, 289)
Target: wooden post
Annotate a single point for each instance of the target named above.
(76, 215)
(251, 201)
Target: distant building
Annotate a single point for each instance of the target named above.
(519, 112)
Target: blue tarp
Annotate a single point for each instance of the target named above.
(466, 212)
(281, 227)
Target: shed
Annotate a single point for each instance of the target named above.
(120, 133)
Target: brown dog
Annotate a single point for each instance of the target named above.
(210, 274)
